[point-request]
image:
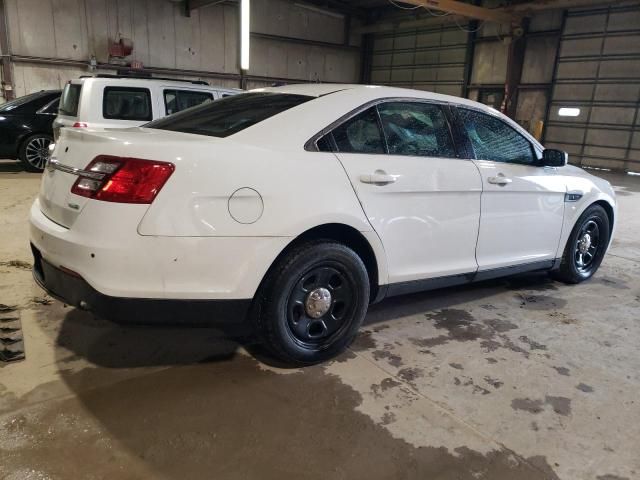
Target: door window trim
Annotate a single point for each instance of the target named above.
(311, 144)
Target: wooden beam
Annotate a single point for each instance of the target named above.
(461, 12)
(406, 24)
(541, 5)
(498, 15)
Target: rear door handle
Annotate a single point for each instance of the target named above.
(379, 177)
(500, 179)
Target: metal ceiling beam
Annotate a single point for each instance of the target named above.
(195, 4)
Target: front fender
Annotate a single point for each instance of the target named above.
(593, 190)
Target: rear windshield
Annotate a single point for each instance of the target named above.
(69, 100)
(29, 103)
(229, 115)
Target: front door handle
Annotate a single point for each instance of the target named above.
(500, 179)
(379, 177)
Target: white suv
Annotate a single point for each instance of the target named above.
(110, 101)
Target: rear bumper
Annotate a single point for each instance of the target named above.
(73, 290)
(104, 248)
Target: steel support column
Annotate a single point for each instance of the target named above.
(515, 61)
(7, 76)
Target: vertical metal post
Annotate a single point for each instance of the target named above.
(468, 57)
(7, 76)
(554, 75)
(366, 49)
(515, 62)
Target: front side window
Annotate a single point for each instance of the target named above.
(70, 100)
(360, 134)
(493, 139)
(229, 115)
(418, 129)
(127, 103)
(177, 100)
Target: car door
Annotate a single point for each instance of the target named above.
(421, 199)
(522, 203)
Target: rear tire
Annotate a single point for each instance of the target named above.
(586, 246)
(34, 152)
(312, 303)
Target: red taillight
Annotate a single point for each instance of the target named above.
(122, 180)
(79, 125)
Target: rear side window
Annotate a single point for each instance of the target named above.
(69, 100)
(52, 107)
(229, 115)
(360, 134)
(418, 129)
(127, 103)
(493, 139)
(177, 100)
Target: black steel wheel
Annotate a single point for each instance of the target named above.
(312, 302)
(586, 246)
(319, 303)
(34, 152)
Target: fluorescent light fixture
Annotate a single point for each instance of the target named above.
(245, 29)
(568, 112)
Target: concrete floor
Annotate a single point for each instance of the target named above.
(513, 379)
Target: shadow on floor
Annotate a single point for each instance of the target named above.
(11, 166)
(112, 345)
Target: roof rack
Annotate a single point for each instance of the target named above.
(142, 76)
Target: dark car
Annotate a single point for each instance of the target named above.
(25, 128)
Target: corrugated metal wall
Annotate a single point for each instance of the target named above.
(426, 59)
(598, 71)
(206, 42)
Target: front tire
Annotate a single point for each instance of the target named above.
(34, 152)
(313, 302)
(586, 246)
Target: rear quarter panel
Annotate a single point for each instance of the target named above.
(298, 191)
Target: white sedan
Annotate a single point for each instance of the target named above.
(296, 207)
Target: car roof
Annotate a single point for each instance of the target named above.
(374, 91)
(145, 81)
(335, 100)
(44, 93)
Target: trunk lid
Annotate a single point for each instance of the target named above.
(73, 151)
(76, 148)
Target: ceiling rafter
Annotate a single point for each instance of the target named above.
(460, 11)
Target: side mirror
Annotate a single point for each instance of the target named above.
(554, 158)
